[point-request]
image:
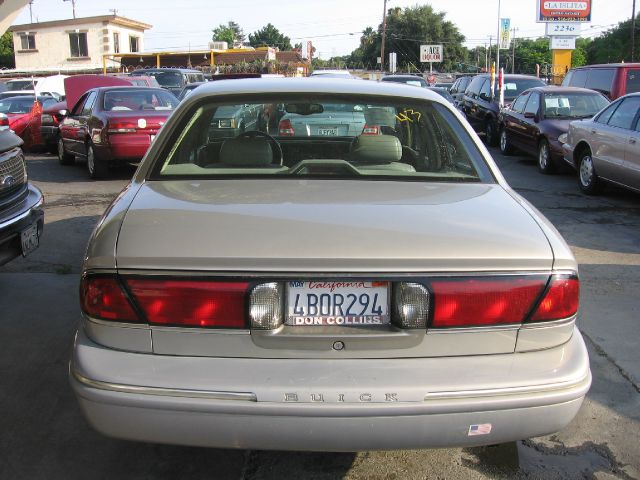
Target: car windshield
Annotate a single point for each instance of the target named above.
(167, 79)
(16, 105)
(573, 105)
(302, 137)
(143, 99)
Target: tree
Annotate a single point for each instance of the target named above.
(7, 59)
(613, 46)
(269, 36)
(230, 33)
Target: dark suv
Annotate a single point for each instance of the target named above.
(481, 109)
(21, 204)
(458, 88)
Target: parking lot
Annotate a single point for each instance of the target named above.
(45, 436)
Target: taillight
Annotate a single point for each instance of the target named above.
(196, 303)
(371, 130)
(4, 120)
(104, 298)
(285, 129)
(468, 302)
(411, 301)
(560, 301)
(121, 126)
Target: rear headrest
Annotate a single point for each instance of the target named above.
(376, 149)
(246, 152)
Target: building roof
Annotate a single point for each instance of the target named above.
(113, 19)
(232, 58)
(289, 56)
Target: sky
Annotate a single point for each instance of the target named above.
(334, 26)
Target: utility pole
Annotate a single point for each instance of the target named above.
(489, 55)
(513, 55)
(31, 11)
(498, 43)
(73, 6)
(384, 35)
(633, 32)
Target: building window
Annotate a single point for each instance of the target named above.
(116, 42)
(134, 44)
(27, 41)
(78, 45)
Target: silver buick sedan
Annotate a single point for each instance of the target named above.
(326, 292)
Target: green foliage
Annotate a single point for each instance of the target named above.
(579, 56)
(407, 29)
(230, 33)
(613, 46)
(532, 52)
(7, 60)
(269, 36)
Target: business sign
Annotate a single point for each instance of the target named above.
(563, 43)
(563, 29)
(505, 33)
(550, 11)
(431, 53)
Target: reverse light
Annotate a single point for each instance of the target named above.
(285, 129)
(104, 298)
(470, 302)
(194, 303)
(265, 306)
(411, 301)
(561, 299)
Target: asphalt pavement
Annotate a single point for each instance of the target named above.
(43, 434)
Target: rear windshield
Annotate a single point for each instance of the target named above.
(573, 105)
(20, 85)
(633, 81)
(167, 79)
(143, 99)
(514, 87)
(325, 137)
(16, 105)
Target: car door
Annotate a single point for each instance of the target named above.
(513, 119)
(470, 100)
(631, 165)
(70, 126)
(83, 129)
(529, 124)
(611, 140)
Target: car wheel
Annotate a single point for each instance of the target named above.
(587, 177)
(64, 158)
(505, 144)
(546, 164)
(490, 136)
(96, 168)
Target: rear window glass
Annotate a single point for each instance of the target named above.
(633, 81)
(322, 138)
(167, 79)
(579, 78)
(601, 79)
(16, 105)
(143, 99)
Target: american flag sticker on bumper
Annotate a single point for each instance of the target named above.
(482, 429)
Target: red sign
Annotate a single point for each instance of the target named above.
(553, 11)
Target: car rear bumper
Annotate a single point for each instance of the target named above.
(126, 146)
(160, 407)
(27, 212)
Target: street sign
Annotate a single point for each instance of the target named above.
(552, 11)
(505, 33)
(431, 53)
(563, 43)
(563, 29)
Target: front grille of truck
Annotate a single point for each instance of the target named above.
(13, 173)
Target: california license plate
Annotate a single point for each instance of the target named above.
(29, 239)
(330, 132)
(337, 303)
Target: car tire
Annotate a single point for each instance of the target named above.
(546, 165)
(490, 136)
(95, 168)
(588, 180)
(64, 158)
(505, 144)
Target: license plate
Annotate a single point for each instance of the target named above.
(330, 132)
(337, 303)
(29, 239)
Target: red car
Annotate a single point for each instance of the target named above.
(22, 115)
(108, 125)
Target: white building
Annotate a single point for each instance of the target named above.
(77, 44)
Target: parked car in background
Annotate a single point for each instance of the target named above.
(481, 107)
(172, 79)
(458, 88)
(612, 79)
(414, 80)
(606, 148)
(111, 125)
(536, 118)
(21, 84)
(443, 92)
(22, 115)
(52, 116)
(326, 120)
(190, 87)
(21, 203)
(332, 73)
(326, 292)
(446, 85)
(140, 80)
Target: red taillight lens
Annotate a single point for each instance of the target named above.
(371, 130)
(4, 121)
(103, 298)
(192, 302)
(121, 126)
(471, 302)
(285, 129)
(560, 301)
